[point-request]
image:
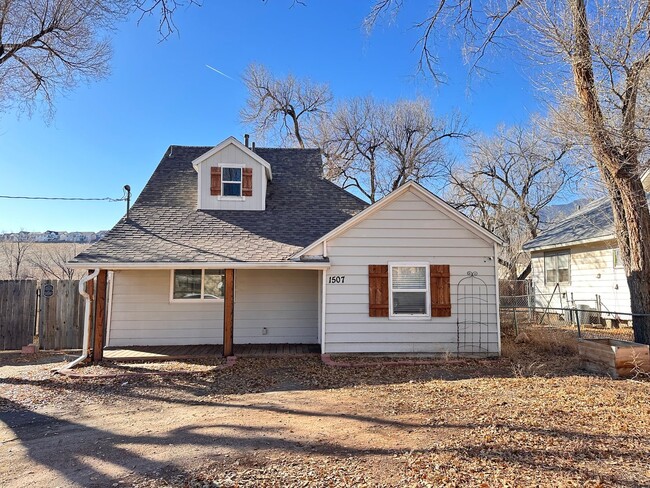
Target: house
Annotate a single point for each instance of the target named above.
(231, 244)
(52, 236)
(576, 262)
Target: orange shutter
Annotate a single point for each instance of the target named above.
(247, 182)
(440, 290)
(378, 290)
(215, 181)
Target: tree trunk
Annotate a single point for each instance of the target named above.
(632, 225)
(619, 168)
(296, 131)
(633, 232)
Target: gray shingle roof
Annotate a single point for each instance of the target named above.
(164, 225)
(593, 222)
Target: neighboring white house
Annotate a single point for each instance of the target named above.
(576, 262)
(254, 246)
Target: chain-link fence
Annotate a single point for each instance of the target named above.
(521, 309)
(584, 322)
(516, 293)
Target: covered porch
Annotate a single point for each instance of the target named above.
(257, 311)
(168, 353)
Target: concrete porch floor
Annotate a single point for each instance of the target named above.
(168, 353)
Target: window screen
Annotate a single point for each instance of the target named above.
(409, 290)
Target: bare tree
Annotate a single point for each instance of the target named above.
(414, 139)
(14, 251)
(48, 46)
(511, 178)
(376, 147)
(288, 105)
(165, 11)
(603, 53)
(352, 143)
(52, 260)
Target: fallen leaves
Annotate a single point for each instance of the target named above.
(473, 423)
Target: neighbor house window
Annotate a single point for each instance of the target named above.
(409, 290)
(197, 284)
(231, 182)
(557, 267)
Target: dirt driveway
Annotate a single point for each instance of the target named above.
(300, 423)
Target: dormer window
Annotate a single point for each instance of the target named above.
(231, 179)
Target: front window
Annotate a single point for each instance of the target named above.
(231, 182)
(409, 290)
(197, 284)
(557, 267)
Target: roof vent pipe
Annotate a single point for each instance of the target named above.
(253, 146)
(246, 136)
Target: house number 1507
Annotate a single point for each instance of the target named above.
(336, 280)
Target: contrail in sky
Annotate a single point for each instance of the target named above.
(220, 72)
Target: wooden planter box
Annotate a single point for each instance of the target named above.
(619, 359)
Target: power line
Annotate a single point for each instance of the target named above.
(104, 199)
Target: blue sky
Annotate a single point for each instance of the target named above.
(114, 131)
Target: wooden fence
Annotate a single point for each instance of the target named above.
(60, 317)
(51, 309)
(18, 299)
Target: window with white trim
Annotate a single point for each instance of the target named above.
(231, 181)
(557, 267)
(409, 290)
(197, 284)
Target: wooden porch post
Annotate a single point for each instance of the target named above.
(229, 313)
(100, 316)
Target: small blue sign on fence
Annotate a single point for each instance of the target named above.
(48, 290)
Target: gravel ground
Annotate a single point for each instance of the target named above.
(528, 419)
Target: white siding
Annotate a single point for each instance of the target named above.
(143, 316)
(285, 302)
(588, 261)
(235, 156)
(408, 229)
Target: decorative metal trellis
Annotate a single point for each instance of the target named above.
(472, 315)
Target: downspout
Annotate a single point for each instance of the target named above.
(86, 340)
(109, 306)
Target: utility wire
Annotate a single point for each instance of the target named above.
(104, 199)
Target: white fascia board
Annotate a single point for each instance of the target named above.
(610, 237)
(207, 265)
(439, 203)
(232, 140)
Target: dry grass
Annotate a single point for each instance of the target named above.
(548, 351)
(531, 418)
(42, 260)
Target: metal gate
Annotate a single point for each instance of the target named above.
(472, 308)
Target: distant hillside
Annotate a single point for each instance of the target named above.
(54, 236)
(556, 213)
